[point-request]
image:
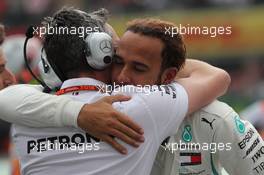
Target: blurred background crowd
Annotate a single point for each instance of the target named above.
(241, 53)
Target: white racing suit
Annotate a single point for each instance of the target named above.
(211, 139)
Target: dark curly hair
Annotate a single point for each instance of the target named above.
(173, 52)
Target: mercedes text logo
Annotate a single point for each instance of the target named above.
(106, 46)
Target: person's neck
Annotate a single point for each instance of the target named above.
(86, 74)
(93, 75)
(82, 75)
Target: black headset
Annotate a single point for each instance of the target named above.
(99, 53)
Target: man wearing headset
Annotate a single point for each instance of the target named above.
(130, 131)
(147, 113)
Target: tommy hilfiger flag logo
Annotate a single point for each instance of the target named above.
(187, 159)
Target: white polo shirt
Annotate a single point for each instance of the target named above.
(160, 113)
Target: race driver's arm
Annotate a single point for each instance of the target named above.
(203, 83)
(244, 148)
(27, 105)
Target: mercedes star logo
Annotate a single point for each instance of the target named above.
(106, 46)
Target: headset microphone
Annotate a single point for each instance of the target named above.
(30, 34)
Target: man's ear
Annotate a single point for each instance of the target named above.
(168, 75)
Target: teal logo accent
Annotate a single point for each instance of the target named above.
(186, 135)
(240, 125)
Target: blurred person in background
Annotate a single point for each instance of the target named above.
(7, 78)
(13, 49)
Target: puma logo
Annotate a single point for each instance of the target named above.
(210, 123)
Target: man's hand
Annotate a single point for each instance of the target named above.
(102, 121)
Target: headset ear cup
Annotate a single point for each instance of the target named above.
(100, 47)
(48, 75)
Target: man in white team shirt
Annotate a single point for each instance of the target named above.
(209, 139)
(130, 131)
(159, 112)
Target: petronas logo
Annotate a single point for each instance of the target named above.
(240, 125)
(186, 135)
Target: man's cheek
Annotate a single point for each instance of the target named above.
(144, 79)
(114, 74)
